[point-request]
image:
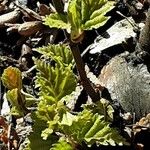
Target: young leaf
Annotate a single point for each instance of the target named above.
(53, 81)
(62, 145)
(17, 102)
(82, 15)
(11, 78)
(36, 141)
(59, 52)
(75, 18)
(67, 119)
(101, 107)
(91, 128)
(57, 21)
(94, 13)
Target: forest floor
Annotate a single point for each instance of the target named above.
(110, 52)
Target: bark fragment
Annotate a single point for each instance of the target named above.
(10, 17)
(30, 28)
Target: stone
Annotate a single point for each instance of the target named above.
(130, 85)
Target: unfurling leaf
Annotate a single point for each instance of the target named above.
(67, 119)
(59, 52)
(53, 85)
(95, 17)
(17, 102)
(11, 78)
(82, 15)
(53, 81)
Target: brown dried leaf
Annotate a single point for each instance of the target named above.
(44, 10)
(143, 124)
(8, 132)
(2, 7)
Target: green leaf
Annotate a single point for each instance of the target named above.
(82, 15)
(67, 119)
(11, 78)
(97, 18)
(101, 107)
(45, 133)
(57, 21)
(59, 52)
(36, 141)
(92, 128)
(53, 81)
(17, 102)
(62, 145)
(75, 18)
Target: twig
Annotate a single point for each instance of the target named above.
(30, 12)
(9, 136)
(133, 24)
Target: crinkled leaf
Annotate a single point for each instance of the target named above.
(101, 107)
(52, 126)
(92, 128)
(86, 15)
(59, 52)
(36, 141)
(57, 21)
(75, 18)
(62, 145)
(67, 119)
(11, 78)
(82, 15)
(15, 111)
(53, 81)
(95, 13)
(45, 133)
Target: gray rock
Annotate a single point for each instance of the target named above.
(22, 2)
(117, 34)
(130, 85)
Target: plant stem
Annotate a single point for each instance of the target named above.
(95, 96)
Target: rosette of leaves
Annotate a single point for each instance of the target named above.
(90, 128)
(81, 15)
(12, 80)
(55, 127)
(54, 82)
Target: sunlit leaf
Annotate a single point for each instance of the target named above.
(36, 141)
(62, 145)
(82, 15)
(17, 102)
(59, 52)
(67, 119)
(57, 21)
(92, 128)
(11, 78)
(53, 81)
